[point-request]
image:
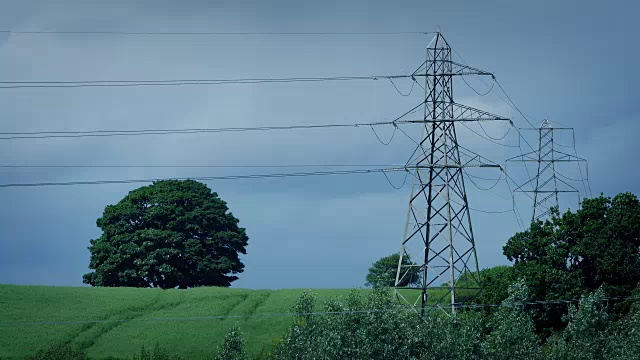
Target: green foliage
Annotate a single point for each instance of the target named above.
(169, 234)
(513, 334)
(233, 346)
(586, 335)
(576, 253)
(157, 353)
(376, 326)
(495, 284)
(457, 337)
(383, 272)
(358, 325)
(59, 352)
(624, 339)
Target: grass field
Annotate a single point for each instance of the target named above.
(193, 339)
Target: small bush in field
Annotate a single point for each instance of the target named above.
(233, 346)
(157, 353)
(59, 352)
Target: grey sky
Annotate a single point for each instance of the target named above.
(569, 61)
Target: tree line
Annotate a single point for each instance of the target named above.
(181, 234)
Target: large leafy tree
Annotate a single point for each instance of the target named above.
(495, 282)
(574, 254)
(169, 234)
(383, 272)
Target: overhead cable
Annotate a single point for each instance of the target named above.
(483, 137)
(208, 33)
(107, 133)
(398, 90)
(203, 178)
(198, 166)
(176, 82)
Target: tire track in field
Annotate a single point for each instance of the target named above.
(260, 303)
(130, 313)
(85, 345)
(243, 297)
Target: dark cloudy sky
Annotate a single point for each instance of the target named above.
(568, 61)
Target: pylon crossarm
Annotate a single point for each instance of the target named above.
(573, 189)
(481, 160)
(463, 119)
(455, 68)
(547, 128)
(519, 188)
(521, 157)
(569, 156)
(464, 110)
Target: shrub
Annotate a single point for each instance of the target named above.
(513, 335)
(59, 352)
(587, 333)
(233, 346)
(157, 353)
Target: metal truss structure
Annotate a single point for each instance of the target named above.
(546, 184)
(438, 262)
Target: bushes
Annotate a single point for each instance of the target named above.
(67, 352)
(513, 335)
(59, 352)
(374, 326)
(233, 346)
(586, 334)
(349, 331)
(157, 353)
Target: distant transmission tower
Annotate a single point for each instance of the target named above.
(548, 182)
(438, 262)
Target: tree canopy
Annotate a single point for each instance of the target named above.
(383, 272)
(576, 253)
(170, 234)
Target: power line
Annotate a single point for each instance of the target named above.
(209, 33)
(568, 178)
(485, 189)
(108, 133)
(198, 166)
(512, 103)
(494, 138)
(177, 82)
(385, 143)
(203, 178)
(398, 90)
(483, 137)
(516, 211)
(404, 181)
(476, 91)
(485, 211)
(395, 123)
(491, 211)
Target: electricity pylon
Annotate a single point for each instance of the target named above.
(438, 253)
(548, 183)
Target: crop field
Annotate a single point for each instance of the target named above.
(119, 321)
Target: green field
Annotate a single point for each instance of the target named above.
(154, 316)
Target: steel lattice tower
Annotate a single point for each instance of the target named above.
(546, 184)
(438, 245)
